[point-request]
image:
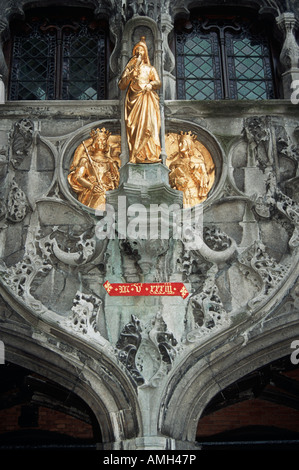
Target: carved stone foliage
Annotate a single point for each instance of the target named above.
(17, 204)
(269, 271)
(20, 276)
(14, 204)
(73, 250)
(275, 203)
(128, 344)
(55, 265)
(215, 239)
(3, 162)
(21, 141)
(143, 8)
(291, 210)
(258, 138)
(206, 308)
(147, 351)
(85, 312)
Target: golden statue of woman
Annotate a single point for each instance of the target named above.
(142, 111)
(94, 169)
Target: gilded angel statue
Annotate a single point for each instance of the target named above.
(95, 168)
(142, 111)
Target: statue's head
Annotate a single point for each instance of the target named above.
(186, 142)
(100, 139)
(141, 47)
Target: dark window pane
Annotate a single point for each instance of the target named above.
(32, 91)
(32, 66)
(84, 69)
(250, 68)
(59, 59)
(219, 59)
(198, 65)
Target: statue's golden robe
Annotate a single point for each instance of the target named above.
(142, 110)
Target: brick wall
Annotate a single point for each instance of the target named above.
(47, 420)
(252, 412)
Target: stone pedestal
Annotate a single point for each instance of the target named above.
(145, 183)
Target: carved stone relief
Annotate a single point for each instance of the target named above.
(17, 204)
(240, 269)
(95, 168)
(85, 313)
(230, 275)
(266, 151)
(147, 351)
(192, 169)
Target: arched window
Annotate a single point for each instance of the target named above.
(222, 57)
(57, 57)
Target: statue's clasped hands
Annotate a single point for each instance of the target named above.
(147, 87)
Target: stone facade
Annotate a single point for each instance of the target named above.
(148, 366)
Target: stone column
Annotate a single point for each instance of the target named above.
(168, 59)
(125, 56)
(160, 67)
(289, 56)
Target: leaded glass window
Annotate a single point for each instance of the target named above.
(58, 59)
(223, 59)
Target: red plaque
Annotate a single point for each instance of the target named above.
(160, 288)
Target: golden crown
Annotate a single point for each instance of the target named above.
(98, 131)
(189, 134)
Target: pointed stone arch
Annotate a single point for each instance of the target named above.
(214, 366)
(91, 376)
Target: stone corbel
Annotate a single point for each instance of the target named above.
(289, 56)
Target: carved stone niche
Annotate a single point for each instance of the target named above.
(134, 29)
(211, 150)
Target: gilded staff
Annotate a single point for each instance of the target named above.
(93, 167)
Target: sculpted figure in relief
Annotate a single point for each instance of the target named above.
(191, 167)
(95, 168)
(142, 112)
